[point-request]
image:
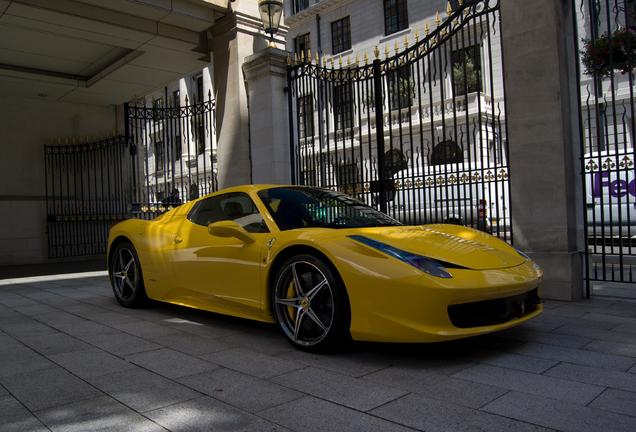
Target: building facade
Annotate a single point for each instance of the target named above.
(443, 112)
(175, 128)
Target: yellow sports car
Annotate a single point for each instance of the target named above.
(323, 266)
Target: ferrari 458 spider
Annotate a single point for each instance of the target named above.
(323, 266)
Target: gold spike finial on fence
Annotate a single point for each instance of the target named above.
(406, 41)
(427, 29)
(438, 20)
(331, 62)
(348, 61)
(386, 50)
(302, 56)
(317, 58)
(295, 58)
(340, 61)
(416, 36)
(324, 60)
(366, 58)
(376, 52)
(309, 57)
(357, 59)
(396, 47)
(449, 8)
(461, 3)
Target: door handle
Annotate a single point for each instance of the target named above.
(178, 239)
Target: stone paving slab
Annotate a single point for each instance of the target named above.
(99, 414)
(72, 359)
(600, 377)
(170, 363)
(618, 401)
(207, 414)
(316, 415)
(47, 388)
(142, 390)
(91, 363)
(351, 392)
(433, 415)
(559, 415)
(436, 386)
(539, 385)
(253, 363)
(14, 417)
(240, 390)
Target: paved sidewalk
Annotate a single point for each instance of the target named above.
(71, 359)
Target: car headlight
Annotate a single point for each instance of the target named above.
(427, 265)
(534, 264)
(523, 254)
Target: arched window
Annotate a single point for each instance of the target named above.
(447, 152)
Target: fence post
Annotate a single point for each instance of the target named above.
(290, 116)
(379, 130)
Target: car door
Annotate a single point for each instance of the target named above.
(221, 273)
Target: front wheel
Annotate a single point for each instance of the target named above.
(310, 304)
(126, 277)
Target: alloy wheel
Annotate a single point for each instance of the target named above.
(304, 303)
(125, 276)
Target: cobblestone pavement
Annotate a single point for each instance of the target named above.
(71, 359)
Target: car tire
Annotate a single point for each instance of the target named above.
(126, 277)
(321, 305)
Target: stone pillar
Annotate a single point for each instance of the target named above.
(236, 36)
(230, 48)
(266, 75)
(542, 117)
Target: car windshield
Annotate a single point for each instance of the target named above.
(306, 207)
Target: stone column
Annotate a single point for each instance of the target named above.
(266, 75)
(542, 116)
(236, 36)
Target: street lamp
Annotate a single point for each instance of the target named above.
(271, 11)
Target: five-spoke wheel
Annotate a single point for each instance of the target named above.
(125, 276)
(309, 303)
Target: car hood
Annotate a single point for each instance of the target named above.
(453, 244)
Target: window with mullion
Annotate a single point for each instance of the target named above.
(396, 16)
(341, 35)
(401, 87)
(306, 116)
(343, 105)
(466, 70)
(300, 5)
(302, 43)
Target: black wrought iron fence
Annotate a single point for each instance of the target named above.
(606, 43)
(87, 190)
(167, 157)
(419, 131)
(173, 151)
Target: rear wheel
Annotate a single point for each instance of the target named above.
(126, 277)
(310, 304)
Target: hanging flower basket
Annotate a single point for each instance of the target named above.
(607, 54)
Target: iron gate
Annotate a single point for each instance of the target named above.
(418, 132)
(87, 190)
(606, 44)
(167, 156)
(173, 151)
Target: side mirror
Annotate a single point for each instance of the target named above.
(229, 228)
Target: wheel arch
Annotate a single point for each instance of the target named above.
(298, 249)
(121, 238)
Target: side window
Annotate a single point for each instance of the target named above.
(237, 207)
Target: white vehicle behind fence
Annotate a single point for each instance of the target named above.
(610, 189)
(458, 193)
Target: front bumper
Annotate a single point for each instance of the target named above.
(417, 308)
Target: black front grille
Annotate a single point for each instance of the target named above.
(491, 312)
